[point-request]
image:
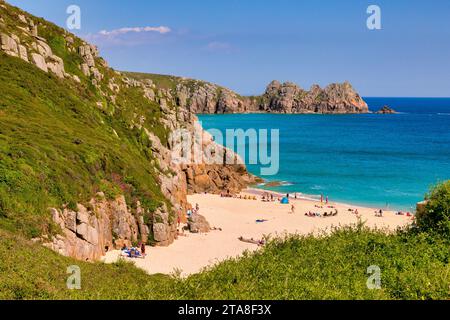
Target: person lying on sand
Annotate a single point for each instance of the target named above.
(132, 253)
(253, 241)
(216, 229)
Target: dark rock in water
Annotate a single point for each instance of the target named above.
(386, 110)
(273, 184)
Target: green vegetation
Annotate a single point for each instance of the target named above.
(436, 216)
(58, 148)
(327, 267)
(160, 80)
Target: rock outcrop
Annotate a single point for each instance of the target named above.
(386, 110)
(201, 97)
(87, 233)
(198, 224)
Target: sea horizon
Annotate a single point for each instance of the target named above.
(385, 161)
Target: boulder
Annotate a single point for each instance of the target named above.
(70, 220)
(97, 74)
(56, 65)
(386, 110)
(82, 215)
(85, 69)
(9, 45)
(160, 232)
(44, 49)
(39, 61)
(23, 53)
(22, 18)
(198, 224)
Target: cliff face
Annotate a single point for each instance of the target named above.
(202, 97)
(125, 150)
(95, 148)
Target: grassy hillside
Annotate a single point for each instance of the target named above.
(58, 147)
(331, 267)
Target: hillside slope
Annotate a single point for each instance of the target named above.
(86, 158)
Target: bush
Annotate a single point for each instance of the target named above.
(436, 215)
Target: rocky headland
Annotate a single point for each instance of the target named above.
(201, 97)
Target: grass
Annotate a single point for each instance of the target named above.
(298, 267)
(57, 147)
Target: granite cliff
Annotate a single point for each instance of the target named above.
(95, 146)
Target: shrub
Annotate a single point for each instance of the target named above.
(436, 215)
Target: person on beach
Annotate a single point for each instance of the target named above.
(292, 209)
(327, 200)
(321, 198)
(143, 248)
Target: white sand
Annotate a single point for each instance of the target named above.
(238, 218)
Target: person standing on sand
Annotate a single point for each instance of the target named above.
(327, 200)
(292, 209)
(143, 249)
(321, 198)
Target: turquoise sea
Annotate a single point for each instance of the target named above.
(377, 160)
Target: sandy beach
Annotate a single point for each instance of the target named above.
(238, 217)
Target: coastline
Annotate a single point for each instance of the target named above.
(192, 253)
(316, 198)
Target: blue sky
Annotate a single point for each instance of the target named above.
(244, 44)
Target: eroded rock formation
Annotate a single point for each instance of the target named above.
(202, 97)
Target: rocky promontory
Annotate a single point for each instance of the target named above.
(205, 98)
